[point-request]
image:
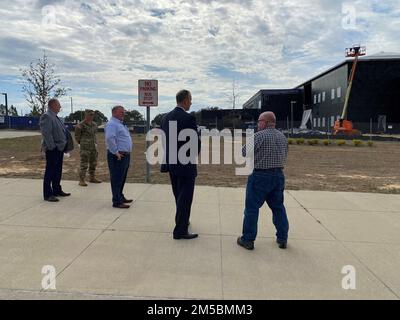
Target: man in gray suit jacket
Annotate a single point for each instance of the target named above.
(53, 143)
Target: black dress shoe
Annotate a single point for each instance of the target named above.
(127, 201)
(121, 206)
(282, 245)
(63, 194)
(249, 245)
(51, 199)
(186, 236)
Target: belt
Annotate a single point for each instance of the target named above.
(269, 170)
(124, 153)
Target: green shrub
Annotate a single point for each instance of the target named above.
(370, 143)
(300, 141)
(341, 143)
(357, 143)
(326, 142)
(313, 142)
(291, 141)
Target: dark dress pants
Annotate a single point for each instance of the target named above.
(118, 173)
(183, 189)
(53, 173)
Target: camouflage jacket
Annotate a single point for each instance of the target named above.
(85, 135)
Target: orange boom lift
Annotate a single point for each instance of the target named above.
(344, 126)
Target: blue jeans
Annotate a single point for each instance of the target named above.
(118, 172)
(265, 187)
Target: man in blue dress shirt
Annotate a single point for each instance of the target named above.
(119, 148)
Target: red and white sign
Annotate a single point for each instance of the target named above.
(148, 93)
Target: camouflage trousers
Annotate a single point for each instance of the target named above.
(88, 159)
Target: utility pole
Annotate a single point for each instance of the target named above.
(72, 108)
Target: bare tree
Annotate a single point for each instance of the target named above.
(41, 84)
(233, 120)
(233, 96)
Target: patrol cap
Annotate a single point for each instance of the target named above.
(89, 112)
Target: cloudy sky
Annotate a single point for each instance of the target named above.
(101, 48)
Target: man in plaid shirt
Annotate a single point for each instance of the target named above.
(267, 182)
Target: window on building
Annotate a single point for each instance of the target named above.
(339, 92)
(338, 118)
(315, 122)
(319, 122)
(323, 122)
(259, 104)
(323, 96)
(332, 121)
(333, 94)
(315, 99)
(319, 98)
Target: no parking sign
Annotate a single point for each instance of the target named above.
(148, 93)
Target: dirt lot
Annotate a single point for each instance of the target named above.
(332, 168)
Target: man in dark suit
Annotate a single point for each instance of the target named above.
(54, 143)
(182, 167)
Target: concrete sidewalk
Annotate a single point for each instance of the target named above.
(104, 253)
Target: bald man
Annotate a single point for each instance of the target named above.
(119, 147)
(267, 182)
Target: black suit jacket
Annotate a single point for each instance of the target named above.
(183, 120)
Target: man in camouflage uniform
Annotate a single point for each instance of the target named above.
(85, 135)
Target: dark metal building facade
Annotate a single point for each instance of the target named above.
(375, 96)
(278, 101)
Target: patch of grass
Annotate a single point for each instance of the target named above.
(28, 144)
(370, 143)
(357, 143)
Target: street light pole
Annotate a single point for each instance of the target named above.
(291, 113)
(6, 100)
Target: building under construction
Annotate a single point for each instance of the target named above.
(375, 96)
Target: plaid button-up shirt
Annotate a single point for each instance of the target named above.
(270, 148)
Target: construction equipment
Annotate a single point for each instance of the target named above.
(344, 126)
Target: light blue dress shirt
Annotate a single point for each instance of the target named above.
(118, 137)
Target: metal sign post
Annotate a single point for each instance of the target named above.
(148, 97)
(147, 143)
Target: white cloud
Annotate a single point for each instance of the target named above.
(102, 48)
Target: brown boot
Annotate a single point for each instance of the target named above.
(94, 180)
(82, 183)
